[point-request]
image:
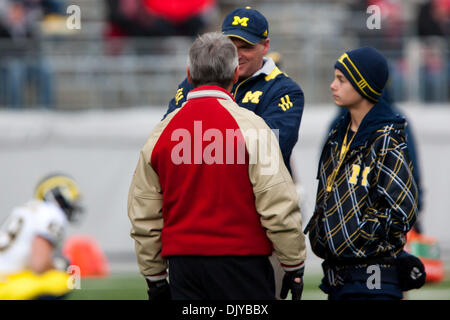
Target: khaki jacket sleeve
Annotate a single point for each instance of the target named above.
(276, 197)
(145, 208)
(145, 213)
(277, 201)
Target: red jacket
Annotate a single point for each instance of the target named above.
(208, 209)
(198, 190)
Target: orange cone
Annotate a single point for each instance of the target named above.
(426, 248)
(84, 252)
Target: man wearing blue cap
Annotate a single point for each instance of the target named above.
(367, 197)
(262, 87)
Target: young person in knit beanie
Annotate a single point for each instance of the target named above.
(367, 197)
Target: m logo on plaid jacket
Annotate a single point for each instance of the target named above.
(356, 169)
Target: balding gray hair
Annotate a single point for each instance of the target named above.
(212, 60)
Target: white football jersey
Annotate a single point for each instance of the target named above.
(17, 232)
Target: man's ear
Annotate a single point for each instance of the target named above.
(266, 45)
(188, 75)
(236, 74)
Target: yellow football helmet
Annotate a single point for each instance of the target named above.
(61, 190)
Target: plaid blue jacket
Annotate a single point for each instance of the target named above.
(373, 201)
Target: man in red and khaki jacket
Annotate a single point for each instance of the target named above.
(211, 197)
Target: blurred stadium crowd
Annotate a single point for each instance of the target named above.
(133, 52)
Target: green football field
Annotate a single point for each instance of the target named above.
(131, 286)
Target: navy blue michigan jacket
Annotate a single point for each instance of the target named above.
(372, 202)
(270, 94)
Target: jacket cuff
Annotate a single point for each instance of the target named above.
(300, 266)
(157, 277)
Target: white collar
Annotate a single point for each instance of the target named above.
(267, 68)
(208, 93)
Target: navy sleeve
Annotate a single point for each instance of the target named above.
(284, 112)
(180, 96)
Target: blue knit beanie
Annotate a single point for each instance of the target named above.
(366, 69)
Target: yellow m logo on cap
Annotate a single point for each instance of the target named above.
(241, 21)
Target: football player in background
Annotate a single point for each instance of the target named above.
(31, 238)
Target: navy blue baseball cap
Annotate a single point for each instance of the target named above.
(246, 24)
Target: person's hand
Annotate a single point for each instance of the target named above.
(158, 290)
(293, 281)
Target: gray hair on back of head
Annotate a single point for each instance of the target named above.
(212, 60)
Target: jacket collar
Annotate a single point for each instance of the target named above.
(209, 91)
(267, 68)
(379, 116)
